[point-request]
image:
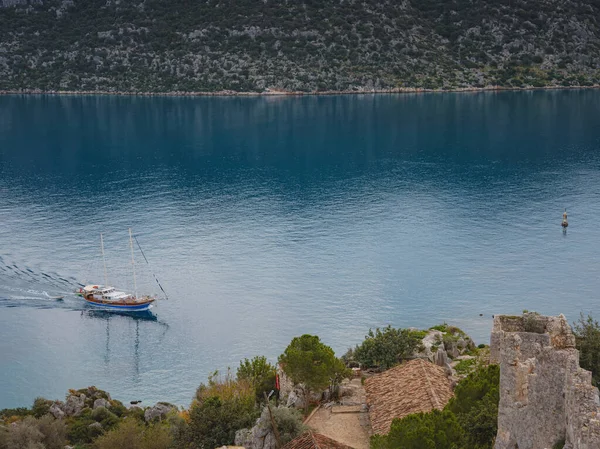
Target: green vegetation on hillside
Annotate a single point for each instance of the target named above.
(587, 337)
(245, 45)
(220, 409)
(386, 348)
(309, 362)
(259, 373)
(90, 419)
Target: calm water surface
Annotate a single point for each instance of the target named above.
(266, 218)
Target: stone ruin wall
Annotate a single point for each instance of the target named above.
(545, 397)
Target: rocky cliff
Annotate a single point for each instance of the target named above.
(246, 45)
(545, 397)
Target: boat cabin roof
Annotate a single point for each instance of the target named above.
(98, 288)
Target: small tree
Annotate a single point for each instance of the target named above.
(259, 373)
(25, 434)
(133, 434)
(339, 372)
(434, 430)
(386, 348)
(289, 423)
(309, 362)
(475, 404)
(126, 435)
(220, 408)
(587, 337)
(40, 407)
(32, 433)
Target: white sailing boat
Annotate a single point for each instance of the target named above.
(106, 297)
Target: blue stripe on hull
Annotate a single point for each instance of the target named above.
(138, 308)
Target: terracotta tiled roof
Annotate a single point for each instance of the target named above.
(416, 386)
(311, 440)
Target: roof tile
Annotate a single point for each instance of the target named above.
(413, 387)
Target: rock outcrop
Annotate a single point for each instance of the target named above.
(440, 358)
(79, 400)
(57, 411)
(545, 397)
(101, 403)
(261, 436)
(159, 411)
(294, 395)
(74, 404)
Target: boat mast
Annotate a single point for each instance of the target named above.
(103, 260)
(132, 263)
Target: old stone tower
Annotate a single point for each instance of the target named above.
(545, 397)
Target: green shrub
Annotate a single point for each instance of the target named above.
(440, 327)
(32, 433)
(54, 432)
(40, 407)
(420, 334)
(136, 413)
(79, 430)
(260, 373)
(313, 364)
(132, 434)
(464, 366)
(289, 423)
(118, 408)
(105, 417)
(475, 404)
(10, 412)
(24, 435)
(220, 408)
(587, 338)
(386, 348)
(434, 430)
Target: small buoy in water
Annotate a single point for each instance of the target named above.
(565, 223)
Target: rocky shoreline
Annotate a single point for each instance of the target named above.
(273, 92)
(527, 386)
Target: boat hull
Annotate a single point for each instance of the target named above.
(142, 307)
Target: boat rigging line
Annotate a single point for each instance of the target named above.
(155, 278)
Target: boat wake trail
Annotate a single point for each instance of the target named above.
(26, 286)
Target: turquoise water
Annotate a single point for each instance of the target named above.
(266, 218)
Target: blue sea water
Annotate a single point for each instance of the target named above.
(267, 218)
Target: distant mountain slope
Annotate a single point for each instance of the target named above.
(310, 45)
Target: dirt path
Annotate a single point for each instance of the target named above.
(346, 421)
